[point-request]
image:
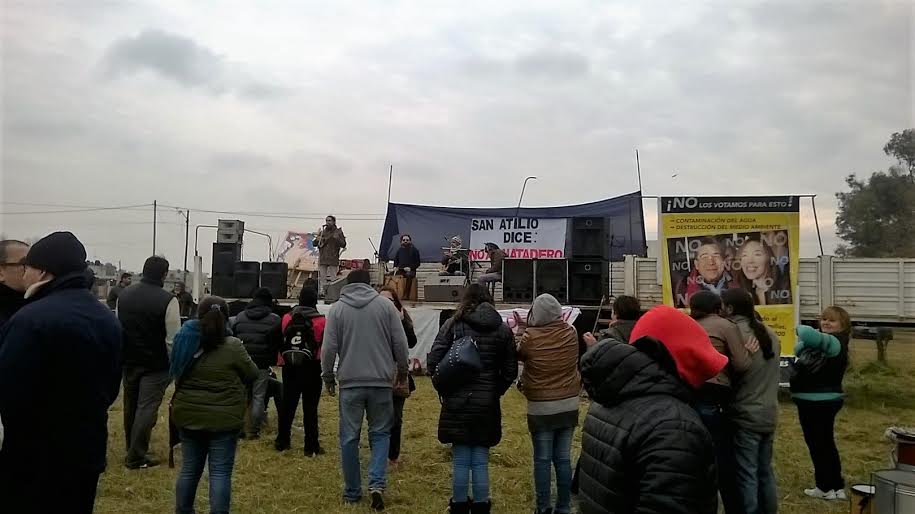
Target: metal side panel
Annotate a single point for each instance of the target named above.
(868, 288)
(808, 278)
(617, 278)
(908, 288)
(648, 291)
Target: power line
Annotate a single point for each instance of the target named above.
(280, 215)
(85, 209)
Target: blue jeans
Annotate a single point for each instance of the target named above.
(755, 481)
(553, 449)
(197, 448)
(467, 460)
(376, 404)
(720, 428)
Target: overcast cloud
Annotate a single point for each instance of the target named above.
(300, 107)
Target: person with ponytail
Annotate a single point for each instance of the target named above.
(212, 372)
(754, 409)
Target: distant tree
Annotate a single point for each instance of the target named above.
(876, 217)
(902, 146)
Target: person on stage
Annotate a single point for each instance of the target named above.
(330, 241)
(406, 262)
(494, 273)
(456, 260)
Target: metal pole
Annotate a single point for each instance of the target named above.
(518, 209)
(816, 221)
(197, 232)
(269, 241)
(638, 168)
(390, 181)
(155, 207)
(187, 228)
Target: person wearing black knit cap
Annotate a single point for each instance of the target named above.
(59, 373)
(259, 328)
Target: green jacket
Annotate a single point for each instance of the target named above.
(212, 395)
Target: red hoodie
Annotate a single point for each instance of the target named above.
(686, 341)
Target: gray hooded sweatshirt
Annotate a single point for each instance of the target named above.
(365, 331)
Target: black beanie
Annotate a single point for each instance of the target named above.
(59, 253)
(263, 294)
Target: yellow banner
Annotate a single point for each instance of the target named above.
(718, 243)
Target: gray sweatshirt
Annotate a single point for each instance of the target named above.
(365, 331)
(755, 405)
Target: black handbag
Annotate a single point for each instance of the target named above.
(461, 365)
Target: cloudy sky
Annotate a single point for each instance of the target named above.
(298, 108)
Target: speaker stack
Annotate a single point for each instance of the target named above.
(226, 252)
(589, 267)
(552, 278)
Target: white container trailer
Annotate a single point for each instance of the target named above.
(873, 291)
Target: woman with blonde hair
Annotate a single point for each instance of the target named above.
(816, 387)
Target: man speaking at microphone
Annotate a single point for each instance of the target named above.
(330, 241)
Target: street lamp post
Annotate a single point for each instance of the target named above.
(523, 187)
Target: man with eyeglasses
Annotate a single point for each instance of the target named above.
(12, 282)
(406, 262)
(330, 241)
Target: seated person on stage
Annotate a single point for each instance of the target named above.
(455, 261)
(406, 260)
(494, 273)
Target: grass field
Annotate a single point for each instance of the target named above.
(267, 482)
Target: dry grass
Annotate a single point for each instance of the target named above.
(267, 482)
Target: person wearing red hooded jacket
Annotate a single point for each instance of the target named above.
(644, 448)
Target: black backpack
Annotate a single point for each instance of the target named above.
(299, 345)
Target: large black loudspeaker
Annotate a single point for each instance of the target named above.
(225, 255)
(222, 285)
(589, 280)
(518, 280)
(589, 238)
(273, 277)
(552, 278)
(246, 278)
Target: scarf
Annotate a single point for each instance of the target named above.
(185, 346)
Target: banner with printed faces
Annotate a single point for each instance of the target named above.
(718, 243)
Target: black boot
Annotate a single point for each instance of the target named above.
(481, 507)
(459, 507)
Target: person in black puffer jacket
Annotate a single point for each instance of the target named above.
(260, 330)
(471, 416)
(644, 448)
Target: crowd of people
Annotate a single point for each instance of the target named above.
(683, 408)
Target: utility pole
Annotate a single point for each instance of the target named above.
(155, 208)
(187, 226)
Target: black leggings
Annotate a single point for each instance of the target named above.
(818, 421)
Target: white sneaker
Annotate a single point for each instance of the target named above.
(837, 495)
(816, 493)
